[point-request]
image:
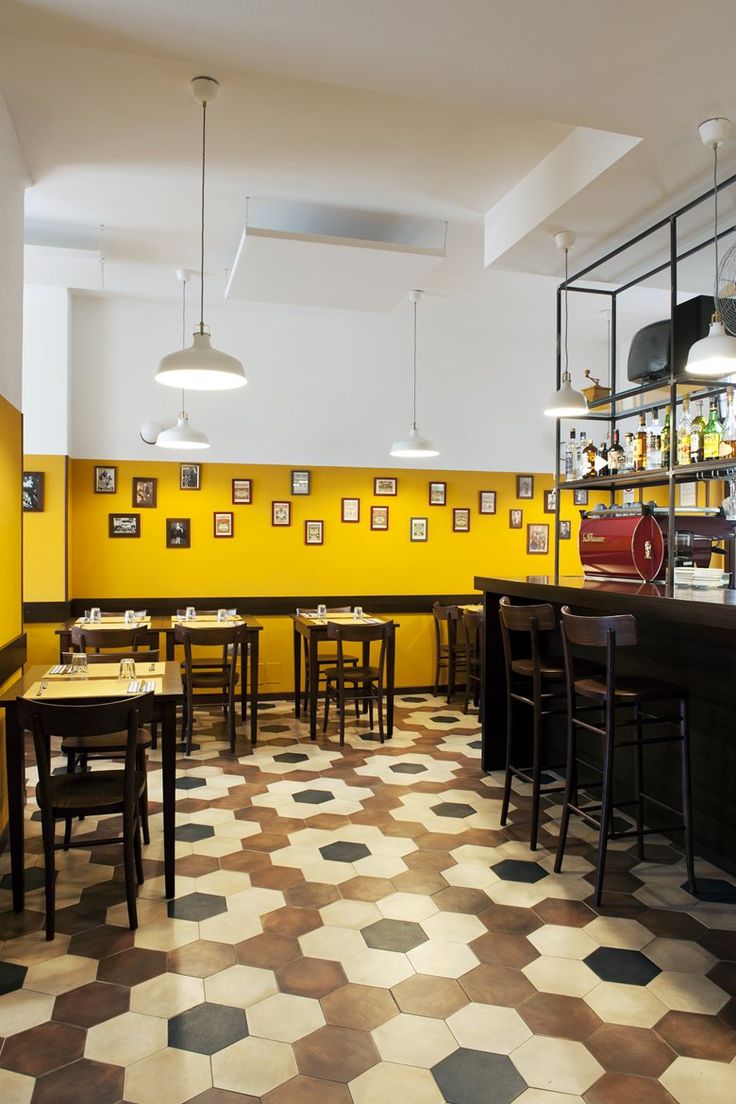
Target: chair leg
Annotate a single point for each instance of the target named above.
(639, 783)
(686, 798)
(49, 864)
(342, 718)
(326, 717)
(370, 713)
(507, 779)
(571, 791)
(142, 766)
(129, 835)
(466, 702)
(138, 854)
(154, 734)
(536, 776)
(436, 686)
(380, 717)
(606, 807)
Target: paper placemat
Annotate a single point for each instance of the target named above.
(114, 623)
(345, 619)
(207, 622)
(143, 669)
(57, 690)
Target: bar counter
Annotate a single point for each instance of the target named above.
(686, 636)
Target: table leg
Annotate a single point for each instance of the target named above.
(15, 760)
(65, 643)
(297, 674)
(244, 652)
(254, 647)
(366, 663)
(313, 685)
(170, 646)
(390, 673)
(168, 772)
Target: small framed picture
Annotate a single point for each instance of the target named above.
(437, 494)
(281, 513)
(688, 494)
(418, 529)
(314, 532)
(487, 502)
(106, 479)
(223, 523)
(537, 539)
(461, 519)
(350, 509)
(178, 531)
(242, 492)
(550, 502)
(580, 496)
(33, 492)
(516, 519)
(385, 485)
(565, 530)
(525, 486)
(189, 477)
(124, 525)
(379, 517)
(144, 492)
(301, 482)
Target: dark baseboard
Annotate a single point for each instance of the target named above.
(12, 657)
(265, 606)
(36, 613)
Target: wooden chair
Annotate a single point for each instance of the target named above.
(449, 652)
(97, 641)
(622, 702)
(146, 655)
(219, 677)
(97, 793)
(472, 640)
(347, 682)
(324, 659)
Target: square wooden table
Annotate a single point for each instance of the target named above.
(313, 629)
(167, 695)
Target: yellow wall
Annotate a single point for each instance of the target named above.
(44, 534)
(11, 432)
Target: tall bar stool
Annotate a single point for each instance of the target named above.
(537, 682)
(472, 624)
(625, 702)
(449, 651)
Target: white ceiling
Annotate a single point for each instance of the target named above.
(430, 108)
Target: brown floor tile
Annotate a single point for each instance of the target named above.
(422, 995)
(196, 866)
(101, 942)
(202, 958)
(459, 899)
(696, 1036)
(132, 966)
(363, 888)
(722, 944)
(573, 914)
(504, 949)
(359, 1006)
(190, 804)
(310, 977)
(311, 894)
(672, 925)
(509, 918)
(419, 881)
(618, 904)
(563, 1017)
(439, 841)
(291, 920)
(84, 1082)
(91, 1004)
(276, 877)
(81, 917)
(43, 1049)
(329, 821)
(497, 985)
(14, 924)
(335, 1053)
(404, 829)
(630, 1050)
(614, 1088)
(723, 974)
(429, 860)
(309, 1090)
(221, 1096)
(268, 950)
(728, 1013)
(245, 862)
(268, 841)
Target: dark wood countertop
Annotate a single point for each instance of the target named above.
(712, 608)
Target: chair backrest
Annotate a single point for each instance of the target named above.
(446, 619)
(211, 614)
(472, 623)
(330, 609)
(617, 631)
(149, 655)
(362, 634)
(530, 621)
(85, 638)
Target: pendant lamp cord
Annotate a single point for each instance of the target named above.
(183, 330)
(201, 236)
(715, 227)
(414, 371)
(566, 373)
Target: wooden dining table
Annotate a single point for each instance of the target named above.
(97, 686)
(312, 629)
(162, 625)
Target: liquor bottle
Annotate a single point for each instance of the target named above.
(581, 455)
(616, 456)
(640, 445)
(590, 456)
(713, 433)
(697, 432)
(654, 431)
(601, 463)
(571, 450)
(666, 439)
(728, 444)
(629, 453)
(684, 430)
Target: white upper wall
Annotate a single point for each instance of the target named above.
(46, 370)
(13, 179)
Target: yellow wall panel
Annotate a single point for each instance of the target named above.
(11, 470)
(44, 534)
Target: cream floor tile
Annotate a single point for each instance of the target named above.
(240, 986)
(256, 901)
(714, 915)
(167, 995)
(59, 975)
(562, 941)
(229, 927)
(284, 1017)
(488, 1027)
(215, 847)
(519, 894)
(223, 882)
(558, 1065)
(167, 935)
(149, 912)
(389, 1081)
(414, 1040)
(330, 873)
(24, 1009)
(565, 976)
(633, 1005)
(380, 866)
(475, 855)
(212, 816)
(15, 1088)
(380, 968)
(441, 958)
(407, 906)
(692, 1081)
(167, 1077)
(155, 888)
(616, 931)
(688, 992)
(680, 955)
(336, 944)
(34, 947)
(238, 829)
(541, 1096)
(470, 875)
(350, 914)
(253, 1066)
(454, 927)
(126, 1039)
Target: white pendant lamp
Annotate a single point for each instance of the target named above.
(182, 435)
(566, 402)
(414, 447)
(200, 367)
(714, 356)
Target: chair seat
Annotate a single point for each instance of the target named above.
(629, 688)
(98, 745)
(326, 659)
(554, 669)
(211, 679)
(84, 793)
(355, 674)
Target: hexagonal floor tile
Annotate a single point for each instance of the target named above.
(335, 1053)
(622, 966)
(486, 1027)
(285, 1017)
(342, 851)
(517, 870)
(464, 1077)
(125, 1039)
(207, 1028)
(394, 935)
(558, 1065)
(414, 1040)
(254, 1066)
(197, 906)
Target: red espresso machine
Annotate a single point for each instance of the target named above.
(630, 542)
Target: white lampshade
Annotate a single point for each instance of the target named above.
(415, 447)
(201, 368)
(566, 403)
(182, 436)
(713, 356)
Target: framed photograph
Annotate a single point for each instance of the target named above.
(242, 492)
(418, 529)
(486, 502)
(580, 496)
(550, 502)
(688, 494)
(33, 492)
(106, 479)
(144, 492)
(525, 486)
(350, 509)
(314, 532)
(301, 482)
(461, 519)
(516, 519)
(565, 530)
(385, 485)
(281, 513)
(189, 477)
(437, 494)
(124, 525)
(379, 517)
(178, 531)
(223, 523)
(537, 539)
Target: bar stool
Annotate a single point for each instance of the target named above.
(472, 623)
(449, 653)
(536, 682)
(615, 695)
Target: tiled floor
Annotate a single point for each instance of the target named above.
(354, 926)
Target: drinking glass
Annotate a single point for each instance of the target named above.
(129, 617)
(321, 611)
(191, 613)
(127, 668)
(222, 615)
(181, 614)
(358, 613)
(79, 665)
(95, 614)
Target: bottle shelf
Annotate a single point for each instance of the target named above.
(659, 477)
